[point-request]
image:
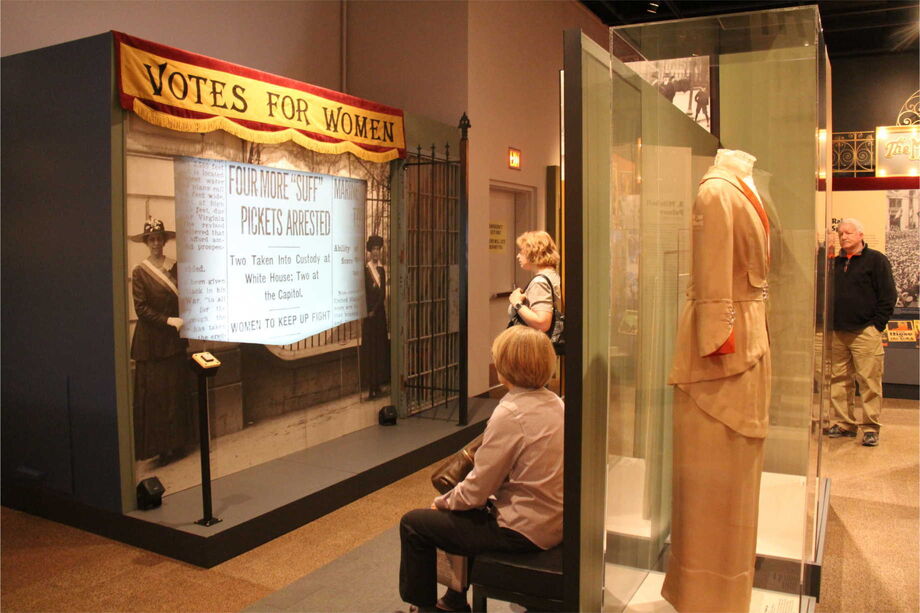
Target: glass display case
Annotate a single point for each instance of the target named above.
(751, 82)
(679, 92)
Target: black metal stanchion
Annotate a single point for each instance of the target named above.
(205, 365)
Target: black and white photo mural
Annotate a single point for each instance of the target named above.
(902, 244)
(275, 259)
(683, 81)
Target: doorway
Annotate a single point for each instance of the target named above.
(511, 212)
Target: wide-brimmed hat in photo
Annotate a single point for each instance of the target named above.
(374, 241)
(153, 226)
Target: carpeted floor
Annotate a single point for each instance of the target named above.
(871, 554)
(369, 573)
(49, 567)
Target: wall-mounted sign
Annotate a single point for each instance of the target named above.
(897, 151)
(497, 236)
(902, 331)
(514, 158)
(187, 92)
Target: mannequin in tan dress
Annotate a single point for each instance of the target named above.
(722, 376)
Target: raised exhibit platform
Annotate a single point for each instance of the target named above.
(271, 499)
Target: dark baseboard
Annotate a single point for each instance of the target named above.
(212, 550)
(901, 390)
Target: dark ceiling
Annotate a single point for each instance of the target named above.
(851, 27)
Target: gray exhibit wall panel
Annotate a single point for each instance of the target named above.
(59, 408)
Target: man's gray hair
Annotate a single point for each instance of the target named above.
(853, 222)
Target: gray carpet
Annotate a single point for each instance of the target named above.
(365, 580)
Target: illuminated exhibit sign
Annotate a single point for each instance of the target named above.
(897, 151)
(514, 158)
(188, 92)
(267, 255)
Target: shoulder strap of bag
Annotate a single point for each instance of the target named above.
(552, 291)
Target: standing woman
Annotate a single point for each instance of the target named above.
(375, 342)
(162, 424)
(534, 305)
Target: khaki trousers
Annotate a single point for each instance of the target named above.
(714, 513)
(858, 355)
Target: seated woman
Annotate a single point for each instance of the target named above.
(512, 499)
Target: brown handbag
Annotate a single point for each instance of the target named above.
(455, 468)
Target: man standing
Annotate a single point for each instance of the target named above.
(864, 297)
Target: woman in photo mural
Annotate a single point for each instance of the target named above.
(533, 305)
(162, 423)
(375, 342)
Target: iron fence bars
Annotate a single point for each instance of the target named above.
(432, 382)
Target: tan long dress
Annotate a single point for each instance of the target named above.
(722, 373)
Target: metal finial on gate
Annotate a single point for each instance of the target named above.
(464, 124)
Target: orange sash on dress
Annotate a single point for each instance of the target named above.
(760, 210)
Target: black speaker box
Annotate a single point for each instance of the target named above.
(149, 494)
(387, 415)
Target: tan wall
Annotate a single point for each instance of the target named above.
(515, 55)
(411, 55)
(299, 39)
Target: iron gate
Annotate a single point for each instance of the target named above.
(434, 254)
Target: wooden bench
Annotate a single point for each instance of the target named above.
(533, 580)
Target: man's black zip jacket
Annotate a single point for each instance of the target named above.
(864, 291)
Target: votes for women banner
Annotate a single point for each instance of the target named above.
(180, 90)
(267, 255)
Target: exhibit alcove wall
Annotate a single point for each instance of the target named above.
(60, 374)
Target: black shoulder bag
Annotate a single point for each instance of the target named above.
(556, 331)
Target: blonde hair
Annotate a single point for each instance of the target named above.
(524, 356)
(539, 248)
